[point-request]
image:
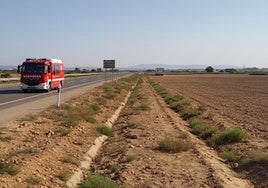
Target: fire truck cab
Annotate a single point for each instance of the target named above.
(41, 74)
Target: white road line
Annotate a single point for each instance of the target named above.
(22, 99)
(30, 97)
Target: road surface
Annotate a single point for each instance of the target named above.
(14, 103)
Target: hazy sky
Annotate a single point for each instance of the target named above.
(176, 32)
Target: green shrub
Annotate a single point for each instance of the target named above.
(202, 129)
(192, 113)
(90, 119)
(229, 156)
(94, 107)
(115, 167)
(70, 115)
(98, 181)
(161, 91)
(123, 149)
(132, 125)
(131, 157)
(63, 131)
(229, 136)
(105, 130)
(8, 167)
(169, 98)
(142, 107)
(178, 106)
(174, 145)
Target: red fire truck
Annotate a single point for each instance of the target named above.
(41, 74)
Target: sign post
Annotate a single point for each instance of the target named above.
(109, 64)
(58, 96)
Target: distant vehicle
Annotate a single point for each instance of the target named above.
(159, 71)
(41, 74)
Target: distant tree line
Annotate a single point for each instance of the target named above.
(78, 70)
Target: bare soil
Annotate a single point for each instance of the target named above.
(131, 157)
(196, 167)
(237, 101)
(44, 156)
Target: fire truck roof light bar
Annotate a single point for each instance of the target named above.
(44, 59)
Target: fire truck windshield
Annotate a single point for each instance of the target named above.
(33, 68)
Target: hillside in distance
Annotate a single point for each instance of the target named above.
(177, 67)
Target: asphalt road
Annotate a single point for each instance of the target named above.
(12, 99)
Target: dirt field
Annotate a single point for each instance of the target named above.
(235, 100)
(47, 156)
(239, 101)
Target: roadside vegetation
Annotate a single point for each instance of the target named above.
(61, 122)
(7, 167)
(71, 113)
(121, 155)
(96, 180)
(105, 130)
(174, 145)
(64, 175)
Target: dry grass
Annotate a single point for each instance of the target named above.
(172, 145)
(256, 157)
(64, 175)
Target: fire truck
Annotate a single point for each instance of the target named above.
(41, 74)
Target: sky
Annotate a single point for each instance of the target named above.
(173, 32)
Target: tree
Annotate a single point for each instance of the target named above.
(209, 69)
(77, 70)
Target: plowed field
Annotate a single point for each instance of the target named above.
(235, 100)
(231, 101)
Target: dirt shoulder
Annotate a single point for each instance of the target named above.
(44, 149)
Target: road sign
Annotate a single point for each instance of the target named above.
(109, 64)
